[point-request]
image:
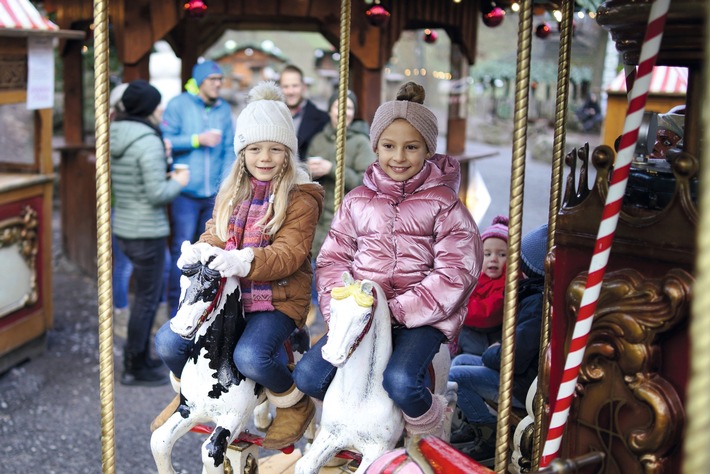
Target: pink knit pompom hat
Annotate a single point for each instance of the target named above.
(498, 229)
(408, 106)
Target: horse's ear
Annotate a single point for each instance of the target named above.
(367, 288)
(347, 279)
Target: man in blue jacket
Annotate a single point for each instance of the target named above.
(199, 126)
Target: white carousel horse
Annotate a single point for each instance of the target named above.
(212, 390)
(357, 412)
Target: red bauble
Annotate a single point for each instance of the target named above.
(430, 36)
(195, 8)
(377, 15)
(494, 17)
(543, 30)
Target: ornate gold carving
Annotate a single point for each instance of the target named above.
(624, 407)
(22, 231)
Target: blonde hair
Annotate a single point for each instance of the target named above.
(236, 188)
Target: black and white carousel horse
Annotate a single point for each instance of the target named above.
(212, 390)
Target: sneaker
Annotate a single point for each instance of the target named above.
(465, 434)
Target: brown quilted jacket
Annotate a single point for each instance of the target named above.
(286, 263)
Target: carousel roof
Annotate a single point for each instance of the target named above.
(664, 80)
(21, 14)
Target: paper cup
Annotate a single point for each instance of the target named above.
(180, 166)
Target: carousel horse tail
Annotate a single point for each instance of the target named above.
(431, 422)
(167, 412)
(294, 411)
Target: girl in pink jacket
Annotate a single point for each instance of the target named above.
(405, 229)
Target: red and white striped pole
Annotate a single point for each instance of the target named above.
(607, 227)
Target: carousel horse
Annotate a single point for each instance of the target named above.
(212, 390)
(357, 413)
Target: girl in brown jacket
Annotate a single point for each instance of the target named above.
(261, 231)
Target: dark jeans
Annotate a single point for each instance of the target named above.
(148, 259)
(406, 375)
(259, 354)
(188, 217)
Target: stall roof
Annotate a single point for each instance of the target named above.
(664, 80)
(21, 14)
(21, 18)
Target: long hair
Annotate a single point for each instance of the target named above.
(236, 188)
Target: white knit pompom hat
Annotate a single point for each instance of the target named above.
(265, 118)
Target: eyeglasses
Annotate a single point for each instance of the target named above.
(215, 79)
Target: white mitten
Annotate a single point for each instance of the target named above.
(230, 263)
(191, 253)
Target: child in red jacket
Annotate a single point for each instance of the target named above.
(482, 326)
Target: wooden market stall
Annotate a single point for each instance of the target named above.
(26, 180)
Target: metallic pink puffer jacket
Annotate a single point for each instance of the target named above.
(414, 238)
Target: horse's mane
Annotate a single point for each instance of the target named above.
(354, 290)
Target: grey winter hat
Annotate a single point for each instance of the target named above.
(265, 118)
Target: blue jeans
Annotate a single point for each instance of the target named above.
(405, 378)
(259, 354)
(476, 384)
(148, 259)
(121, 278)
(188, 217)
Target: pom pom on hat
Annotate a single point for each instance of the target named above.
(533, 250)
(140, 99)
(265, 118)
(407, 106)
(498, 229)
(200, 71)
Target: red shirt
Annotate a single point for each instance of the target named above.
(485, 307)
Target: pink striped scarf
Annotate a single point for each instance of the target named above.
(242, 228)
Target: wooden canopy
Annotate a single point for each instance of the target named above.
(138, 24)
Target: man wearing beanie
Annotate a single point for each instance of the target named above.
(307, 118)
(484, 317)
(198, 124)
(478, 377)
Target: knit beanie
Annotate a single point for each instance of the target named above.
(140, 98)
(498, 229)
(334, 97)
(407, 106)
(200, 71)
(265, 118)
(533, 250)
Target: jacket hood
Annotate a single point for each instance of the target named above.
(315, 190)
(439, 170)
(124, 133)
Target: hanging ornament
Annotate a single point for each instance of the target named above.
(377, 15)
(543, 30)
(195, 8)
(494, 17)
(430, 36)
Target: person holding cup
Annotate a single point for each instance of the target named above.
(198, 124)
(141, 193)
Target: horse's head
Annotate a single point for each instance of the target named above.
(200, 290)
(350, 319)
